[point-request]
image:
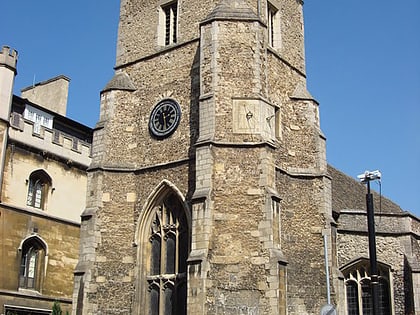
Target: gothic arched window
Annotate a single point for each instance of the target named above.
(163, 263)
(33, 252)
(359, 291)
(38, 187)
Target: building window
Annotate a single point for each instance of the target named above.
(19, 310)
(39, 118)
(275, 209)
(168, 244)
(352, 298)
(273, 25)
(163, 256)
(358, 288)
(38, 187)
(168, 22)
(277, 128)
(57, 137)
(33, 252)
(75, 144)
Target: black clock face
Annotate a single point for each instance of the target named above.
(164, 118)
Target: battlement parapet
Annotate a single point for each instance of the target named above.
(8, 57)
(51, 141)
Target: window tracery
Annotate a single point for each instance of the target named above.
(359, 292)
(165, 252)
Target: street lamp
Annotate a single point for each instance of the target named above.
(365, 178)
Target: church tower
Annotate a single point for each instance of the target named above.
(208, 190)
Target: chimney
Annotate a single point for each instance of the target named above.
(51, 94)
(8, 62)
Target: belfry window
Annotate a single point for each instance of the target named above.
(168, 24)
(165, 253)
(359, 292)
(32, 260)
(38, 187)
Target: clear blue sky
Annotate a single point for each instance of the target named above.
(363, 66)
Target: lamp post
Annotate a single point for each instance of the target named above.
(374, 279)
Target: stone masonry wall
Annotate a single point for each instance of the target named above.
(236, 258)
(61, 238)
(168, 77)
(234, 179)
(389, 250)
(67, 196)
(302, 222)
(141, 17)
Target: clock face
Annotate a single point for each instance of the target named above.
(164, 118)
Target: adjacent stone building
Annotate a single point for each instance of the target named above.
(398, 252)
(209, 190)
(43, 160)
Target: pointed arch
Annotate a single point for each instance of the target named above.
(33, 262)
(164, 188)
(34, 238)
(39, 184)
(163, 244)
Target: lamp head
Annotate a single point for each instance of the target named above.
(369, 175)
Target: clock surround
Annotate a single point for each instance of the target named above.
(164, 118)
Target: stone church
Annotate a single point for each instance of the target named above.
(209, 191)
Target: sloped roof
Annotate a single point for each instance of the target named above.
(348, 193)
(232, 9)
(120, 81)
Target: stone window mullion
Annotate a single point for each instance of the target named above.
(177, 249)
(162, 210)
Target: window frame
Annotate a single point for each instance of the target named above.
(273, 24)
(154, 284)
(21, 310)
(276, 217)
(39, 118)
(33, 258)
(168, 23)
(39, 183)
(357, 274)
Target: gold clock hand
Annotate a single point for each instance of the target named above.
(164, 120)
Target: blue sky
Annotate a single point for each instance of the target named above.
(363, 67)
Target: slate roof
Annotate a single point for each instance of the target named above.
(348, 193)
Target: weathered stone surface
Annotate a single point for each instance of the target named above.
(247, 162)
(247, 199)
